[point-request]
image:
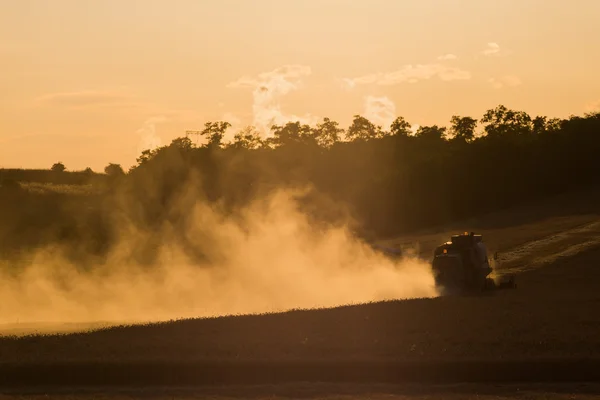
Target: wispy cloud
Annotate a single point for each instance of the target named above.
(84, 98)
(446, 57)
(149, 139)
(267, 90)
(380, 110)
(410, 74)
(236, 125)
(507, 80)
(493, 49)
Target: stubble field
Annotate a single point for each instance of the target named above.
(489, 346)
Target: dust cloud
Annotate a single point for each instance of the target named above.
(268, 257)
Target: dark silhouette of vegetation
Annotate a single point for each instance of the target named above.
(47, 176)
(389, 181)
(58, 167)
(114, 170)
(9, 184)
(393, 180)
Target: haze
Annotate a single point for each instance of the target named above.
(92, 82)
(269, 258)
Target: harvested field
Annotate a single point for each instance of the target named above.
(545, 330)
(328, 391)
(525, 246)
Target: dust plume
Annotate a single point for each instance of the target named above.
(380, 110)
(267, 256)
(149, 139)
(268, 89)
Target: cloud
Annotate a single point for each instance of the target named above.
(83, 98)
(380, 110)
(493, 49)
(507, 80)
(496, 84)
(447, 57)
(267, 90)
(148, 138)
(410, 74)
(275, 79)
(236, 125)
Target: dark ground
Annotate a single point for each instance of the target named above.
(545, 331)
(313, 391)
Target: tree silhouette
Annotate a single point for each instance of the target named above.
(292, 133)
(146, 156)
(214, 132)
(114, 170)
(363, 129)
(502, 121)
(388, 184)
(58, 167)
(431, 133)
(327, 133)
(248, 138)
(400, 127)
(183, 143)
(463, 128)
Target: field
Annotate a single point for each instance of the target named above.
(491, 346)
(326, 391)
(553, 314)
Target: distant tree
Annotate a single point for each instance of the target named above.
(408, 177)
(593, 115)
(114, 170)
(248, 138)
(292, 133)
(214, 132)
(541, 124)
(327, 133)
(538, 125)
(88, 171)
(553, 124)
(146, 156)
(431, 133)
(182, 143)
(463, 128)
(400, 127)
(501, 120)
(363, 129)
(58, 167)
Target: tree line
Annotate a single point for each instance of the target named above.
(388, 181)
(391, 180)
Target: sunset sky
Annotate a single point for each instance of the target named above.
(91, 82)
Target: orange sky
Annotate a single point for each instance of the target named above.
(92, 82)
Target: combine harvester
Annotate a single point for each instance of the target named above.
(462, 265)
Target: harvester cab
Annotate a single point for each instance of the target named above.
(462, 264)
